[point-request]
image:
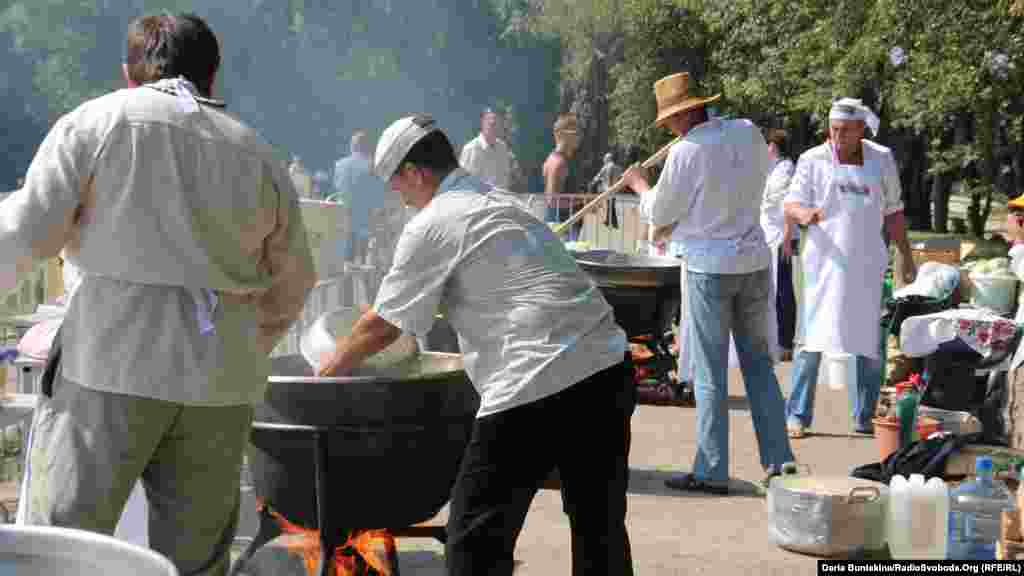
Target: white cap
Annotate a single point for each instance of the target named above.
(397, 140)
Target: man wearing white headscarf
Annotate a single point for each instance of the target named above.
(846, 191)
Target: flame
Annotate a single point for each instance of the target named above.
(375, 547)
(640, 352)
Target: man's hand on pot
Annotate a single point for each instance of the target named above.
(331, 363)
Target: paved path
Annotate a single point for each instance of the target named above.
(680, 533)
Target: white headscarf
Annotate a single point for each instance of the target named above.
(854, 109)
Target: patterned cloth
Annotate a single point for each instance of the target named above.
(985, 332)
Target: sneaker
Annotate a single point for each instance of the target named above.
(796, 430)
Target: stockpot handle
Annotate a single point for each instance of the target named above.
(863, 495)
(795, 469)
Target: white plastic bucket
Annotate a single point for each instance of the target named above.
(995, 292)
(841, 370)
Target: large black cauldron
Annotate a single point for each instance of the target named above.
(378, 449)
(644, 293)
(643, 290)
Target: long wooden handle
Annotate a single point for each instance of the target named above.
(656, 158)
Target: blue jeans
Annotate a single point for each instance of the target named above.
(863, 396)
(718, 304)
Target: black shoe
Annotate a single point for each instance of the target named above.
(690, 483)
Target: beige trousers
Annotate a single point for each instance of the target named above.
(89, 448)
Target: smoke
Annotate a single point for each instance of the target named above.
(307, 73)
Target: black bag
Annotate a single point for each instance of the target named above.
(899, 309)
(925, 457)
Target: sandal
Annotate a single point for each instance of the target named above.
(690, 483)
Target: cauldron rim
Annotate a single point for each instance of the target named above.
(377, 378)
(588, 257)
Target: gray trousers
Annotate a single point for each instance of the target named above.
(89, 448)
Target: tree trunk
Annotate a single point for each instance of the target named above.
(985, 135)
(1018, 169)
(920, 189)
(941, 184)
(916, 197)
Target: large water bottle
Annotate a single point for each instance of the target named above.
(975, 509)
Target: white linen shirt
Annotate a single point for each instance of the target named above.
(155, 203)
(530, 322)
(775, 189)
(712, 184)
(492, 164)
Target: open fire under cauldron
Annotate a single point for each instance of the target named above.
(644, 292)
(378, 449)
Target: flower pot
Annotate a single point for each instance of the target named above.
(887, 433)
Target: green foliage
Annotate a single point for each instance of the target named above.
(683, 47)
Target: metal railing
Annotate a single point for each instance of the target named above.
(614, 225)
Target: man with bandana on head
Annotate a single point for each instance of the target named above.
(847, 193)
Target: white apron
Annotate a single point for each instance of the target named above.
(844, 263)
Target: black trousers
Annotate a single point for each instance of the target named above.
(584, 431)
(785, 299)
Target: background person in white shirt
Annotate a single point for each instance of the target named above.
(487, 156)
(847, 193)
(710, 191)
(782, 236)
(538, 341)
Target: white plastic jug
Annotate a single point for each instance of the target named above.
(918, 519)
(841, 370)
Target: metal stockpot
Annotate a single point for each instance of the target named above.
(827, 515)
(44, 550)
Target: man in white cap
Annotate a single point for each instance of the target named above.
(710, 192)
(847, 193)
(538, 341)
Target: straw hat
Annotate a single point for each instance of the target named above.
(1017, 202)
(672, 94)
(566, 123)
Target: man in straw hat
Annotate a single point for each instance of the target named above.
(846, 192)
(710, 189)
(538, 341)
(556, 171)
